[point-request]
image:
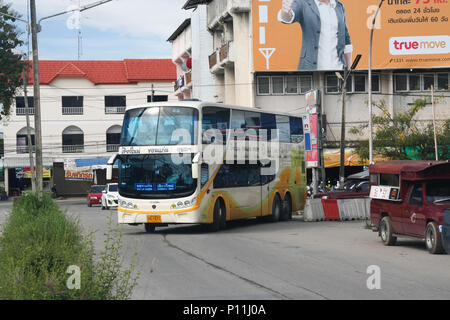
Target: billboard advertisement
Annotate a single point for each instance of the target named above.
(310, 35)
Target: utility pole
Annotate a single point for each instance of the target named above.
(27, 116)
(347, 72)
(370, 85)
(342, 152)
(434, 124)
(37, 98)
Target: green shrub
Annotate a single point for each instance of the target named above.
(39, 242)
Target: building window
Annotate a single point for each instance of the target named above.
(420, 81)
(115, 104)
(20, 106)
(291, 85)
(332, 84)
(283, 85)
(305, 84)
(263, 85)
(72, 105)
(113, 138)
(356, 83)
(277, 85)
(22, 141)
(157, 98)
(72, 140)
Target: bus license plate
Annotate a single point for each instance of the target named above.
(153, 219)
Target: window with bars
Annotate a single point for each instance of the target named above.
(404, 82)
(283, 85)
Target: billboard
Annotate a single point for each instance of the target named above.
(305, 35)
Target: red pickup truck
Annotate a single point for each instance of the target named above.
(410, 198)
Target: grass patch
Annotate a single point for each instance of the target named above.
(39, 242)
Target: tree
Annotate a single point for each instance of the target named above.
(11, 64)
(403, 137)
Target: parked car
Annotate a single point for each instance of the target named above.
(95, 194)
(356, 186)
(110, 196)
(411, 198)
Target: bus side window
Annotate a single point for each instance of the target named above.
(217, 119)
(269, 123)
(296, 125)
(284, 129)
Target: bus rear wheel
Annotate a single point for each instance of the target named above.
(286, 213)
(276, 209)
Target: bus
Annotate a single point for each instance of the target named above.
(193, 162)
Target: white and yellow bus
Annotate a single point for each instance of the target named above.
(193, 162)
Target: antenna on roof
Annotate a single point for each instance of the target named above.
(80, 37)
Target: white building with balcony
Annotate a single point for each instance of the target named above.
(82, 107)
(231, 62)
(191, 45)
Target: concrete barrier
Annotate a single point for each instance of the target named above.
(313, 210)
(331, 209)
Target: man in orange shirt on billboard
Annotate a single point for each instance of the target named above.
(326, 41)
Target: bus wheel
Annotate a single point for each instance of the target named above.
(287, 209)
(386, 233)
(433, 239)
(219, 218)
(276, 209)
(149, 227)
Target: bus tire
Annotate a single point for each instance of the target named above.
(433, 239)
(149, 227)
(286, 208)
(276, 209)
(219, 217)
(386, 232)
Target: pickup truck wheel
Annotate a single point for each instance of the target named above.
(433, 239)
(386, 233)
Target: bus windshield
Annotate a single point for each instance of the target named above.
(159, 126)
(155, 177)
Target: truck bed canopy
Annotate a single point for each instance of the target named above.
(413, 169)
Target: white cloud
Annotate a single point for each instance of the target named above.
(126, 17)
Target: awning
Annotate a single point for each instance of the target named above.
(16, 162)
(332, 158)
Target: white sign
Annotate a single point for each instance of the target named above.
(384, 192)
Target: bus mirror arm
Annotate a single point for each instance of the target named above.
(109, 166)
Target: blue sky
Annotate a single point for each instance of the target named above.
(121, 29)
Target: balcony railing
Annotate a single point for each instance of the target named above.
(25, 149)
(188, 76)
(72, 110)
(22, 111)
(115, 110)
(72, 148)
(112, 148)
(212, 59)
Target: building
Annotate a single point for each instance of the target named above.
(82, 107)
(191, 45)
(248, 71)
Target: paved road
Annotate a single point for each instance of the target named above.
(286, 260)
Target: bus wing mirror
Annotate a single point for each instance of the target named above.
(109, 166)
(195, 167)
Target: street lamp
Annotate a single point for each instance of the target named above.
(343, 79)
(370, 84)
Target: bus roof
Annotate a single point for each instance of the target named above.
(413, 169)
(200, 104)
